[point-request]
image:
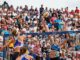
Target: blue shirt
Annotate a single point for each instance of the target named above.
(17, 43)
(49, 25)
(55, 47)
(5, 32)
(24, 58)
(77, 48)
(59, 23)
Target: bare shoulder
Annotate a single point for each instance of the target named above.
(31, 57)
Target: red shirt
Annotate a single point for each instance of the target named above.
(77, 11)
(5, 27)
(66, 11)
(72, 13)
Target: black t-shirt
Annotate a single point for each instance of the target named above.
(41, 10)
(48, 19)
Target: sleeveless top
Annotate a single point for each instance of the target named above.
(17, 43)
(25, 57)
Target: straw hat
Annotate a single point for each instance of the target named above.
(34, 39)
(46, 14)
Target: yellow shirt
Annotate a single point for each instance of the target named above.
(11, 44)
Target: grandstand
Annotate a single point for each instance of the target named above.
(39, 33)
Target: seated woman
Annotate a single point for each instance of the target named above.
(17, 45)
(23, 55)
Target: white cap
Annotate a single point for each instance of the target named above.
(24, 29)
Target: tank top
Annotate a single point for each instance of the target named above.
(23, 57)
(17, 43)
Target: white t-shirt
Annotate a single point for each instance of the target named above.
(69, 28)
(35, 29)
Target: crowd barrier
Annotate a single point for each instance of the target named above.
(3, 54)
(48, 33)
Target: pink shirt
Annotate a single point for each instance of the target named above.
(53, 19)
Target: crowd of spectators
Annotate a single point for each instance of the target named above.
(22, 20)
